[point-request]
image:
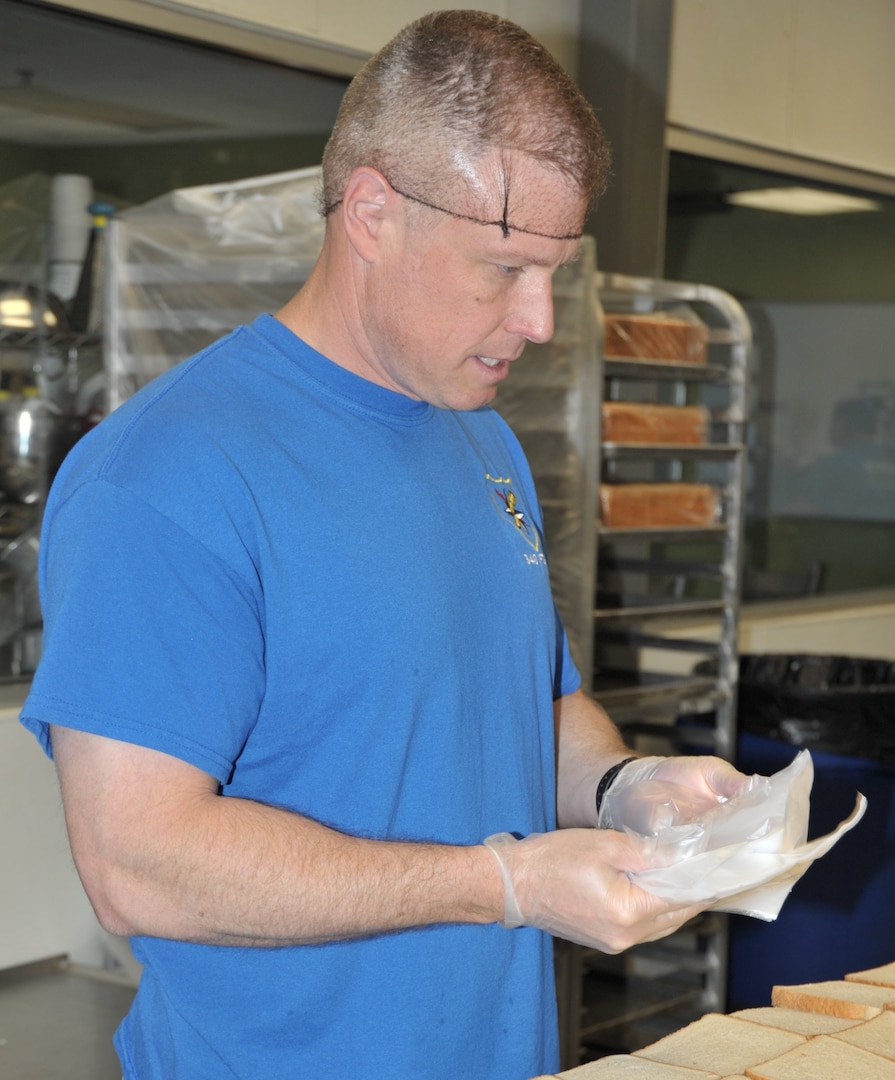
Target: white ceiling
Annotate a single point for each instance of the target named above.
(68, 80)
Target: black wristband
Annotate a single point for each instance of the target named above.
(606, 782)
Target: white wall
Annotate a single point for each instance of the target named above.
(44, 911)
(861, 625)
(847, 626)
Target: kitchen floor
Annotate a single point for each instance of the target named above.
(56, 1023)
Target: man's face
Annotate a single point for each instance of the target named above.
(453, 301)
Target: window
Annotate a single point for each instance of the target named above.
(819, 288)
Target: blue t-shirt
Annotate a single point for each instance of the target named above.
(334, 599)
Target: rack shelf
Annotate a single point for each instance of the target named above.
(632, 368)
(676, 452)
(37, 338)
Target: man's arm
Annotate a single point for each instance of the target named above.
(161, 853)
(587, 745)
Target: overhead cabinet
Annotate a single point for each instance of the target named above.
(333, 37)
(810, 78)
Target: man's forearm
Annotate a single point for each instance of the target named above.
(587, 744)
(263, 876)
(162, 854)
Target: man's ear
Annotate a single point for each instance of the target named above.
(367, 203)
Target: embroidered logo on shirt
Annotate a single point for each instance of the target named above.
(507, 503)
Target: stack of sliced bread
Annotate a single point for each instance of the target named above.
(837, 1030)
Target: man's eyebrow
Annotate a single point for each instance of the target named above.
(537, 260)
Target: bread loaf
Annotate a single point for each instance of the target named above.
(654, 505)
(876, 1035)
(657, 425)
(824, 1058)
(804, 1023)
(721, 1045)
(627, 1067)
(836, 1030)
(853, 1000)
(878, 976)
(657, 337)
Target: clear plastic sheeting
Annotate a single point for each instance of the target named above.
(186, 268)
(24, 229)
(551, 401)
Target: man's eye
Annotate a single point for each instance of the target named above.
(509, 271)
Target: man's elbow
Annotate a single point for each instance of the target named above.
(113, 902)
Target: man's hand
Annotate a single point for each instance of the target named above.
(710, 777)
(573, 883)
(704, 782)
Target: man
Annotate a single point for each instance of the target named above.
(296, 665)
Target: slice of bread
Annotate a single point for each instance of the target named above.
(825, 1058)
(878, 976)
(722, 1045)
(626, 1067)
(852, 1000)
(804, 1023)
(876, 1035)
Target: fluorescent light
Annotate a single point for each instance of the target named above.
(19, 313)
(801, 200)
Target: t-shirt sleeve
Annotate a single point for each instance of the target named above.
(149, 636)
(568, 677)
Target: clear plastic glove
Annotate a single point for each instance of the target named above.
(658, 792)
(573, 883)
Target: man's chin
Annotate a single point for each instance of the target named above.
(470, 400)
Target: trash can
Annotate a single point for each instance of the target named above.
(840, 916)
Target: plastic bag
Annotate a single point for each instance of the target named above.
(743, 855)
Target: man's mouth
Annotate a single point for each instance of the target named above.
(490, 361)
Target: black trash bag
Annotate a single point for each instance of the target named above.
(837, 704)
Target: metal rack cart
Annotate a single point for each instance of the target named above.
(665, 641)
(41, 365)
(651, 611)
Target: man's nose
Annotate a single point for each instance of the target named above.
(533, 314)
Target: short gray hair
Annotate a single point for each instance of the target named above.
(462, 82)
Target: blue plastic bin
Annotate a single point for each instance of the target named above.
(840, 917)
